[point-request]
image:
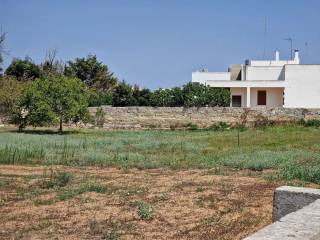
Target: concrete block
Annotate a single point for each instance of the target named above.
(290, 199)
(303, 224)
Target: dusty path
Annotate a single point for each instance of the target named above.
(189, 204)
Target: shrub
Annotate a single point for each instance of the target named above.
(192, 126)
(145, 210)
(100, 117)
(312, 123)
(263, 122)
(57, 179)
(220, 126)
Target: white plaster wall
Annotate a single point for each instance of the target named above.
(203, 77)
(303, 86)
(274, 97)
(240, 92)
(273, 62)
(264, 73)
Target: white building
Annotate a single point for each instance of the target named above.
(272, 83)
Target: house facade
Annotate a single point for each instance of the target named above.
(271, 83)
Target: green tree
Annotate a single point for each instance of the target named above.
(92, 72)
(23, 69)
(142, 96)
(99, 98)
(161, 98)
(48, 101)
(123, 95)
(10, 91)
(176, 97)
(197, 95)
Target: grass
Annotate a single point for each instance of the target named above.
(293, 150)
(87, 187)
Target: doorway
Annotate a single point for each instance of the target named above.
(236, 101)
(262, 98)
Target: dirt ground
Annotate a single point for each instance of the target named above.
(132, 204)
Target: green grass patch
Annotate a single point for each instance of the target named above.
(275, 147)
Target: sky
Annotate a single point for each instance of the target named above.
(159, 43)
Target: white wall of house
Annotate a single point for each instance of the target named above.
(274, 97)
(239, 92)
(203, 77)
(264, 73)
(302, 86)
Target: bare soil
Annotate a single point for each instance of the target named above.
(186, 204)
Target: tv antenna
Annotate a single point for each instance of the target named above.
(265, 37)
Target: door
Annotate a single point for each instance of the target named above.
(236, 101)
(262, 98)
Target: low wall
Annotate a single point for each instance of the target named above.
(179, 117)
(296, 212)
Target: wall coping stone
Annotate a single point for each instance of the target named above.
(296, 212)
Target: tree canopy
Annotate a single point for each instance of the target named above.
(10, 91)
(92, 72)
(23, 69)
(48, 101)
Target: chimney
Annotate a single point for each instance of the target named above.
(296, 55)
(276, 55)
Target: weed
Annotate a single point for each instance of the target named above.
(88, 187)
(111, 234)
(200, 189)
(56, 179)
(145, 211)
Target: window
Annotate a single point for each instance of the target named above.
(236, 101)
(262, 98)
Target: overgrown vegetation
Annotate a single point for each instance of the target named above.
(292, 150)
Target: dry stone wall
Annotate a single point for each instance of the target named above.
(180, 117)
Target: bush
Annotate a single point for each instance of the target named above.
(263, 122)
(220, 126)
(57, 179)
(192, 126)
(312, 123)
(100, 117)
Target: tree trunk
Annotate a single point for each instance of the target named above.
(60, 127)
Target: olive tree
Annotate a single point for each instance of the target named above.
(53, 100)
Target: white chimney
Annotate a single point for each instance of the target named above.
(276, 55)
(296, 55)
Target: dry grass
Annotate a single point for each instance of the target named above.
(188, 204)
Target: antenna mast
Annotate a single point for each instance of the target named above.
(265, 37)
(290, 40)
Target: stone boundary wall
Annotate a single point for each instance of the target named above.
(180, 117)
(296, 212)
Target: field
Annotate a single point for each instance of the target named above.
(94, 184)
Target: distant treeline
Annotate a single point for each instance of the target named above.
(105, 89)
(41, 94)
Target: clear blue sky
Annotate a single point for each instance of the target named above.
(159, 43)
